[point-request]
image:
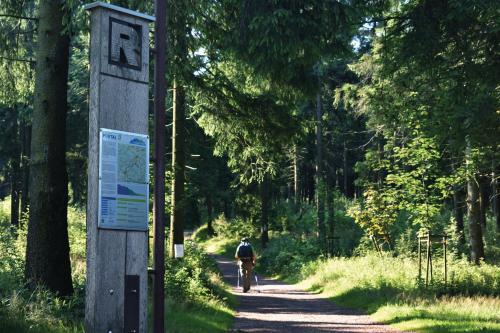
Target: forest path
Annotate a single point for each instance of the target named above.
(278, 307)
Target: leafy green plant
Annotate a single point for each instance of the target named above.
(235, 228)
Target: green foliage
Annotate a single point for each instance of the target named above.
(426, 88)
(376, 214)
(201, 234)
(23, 310)
(286, 254)
(294, 219)
(40, 311)
(344, 227)
(11, 252)
(236, 228)
(191, 279)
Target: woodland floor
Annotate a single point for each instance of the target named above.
(275, 306)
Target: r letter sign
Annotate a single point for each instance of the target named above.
(125, 44)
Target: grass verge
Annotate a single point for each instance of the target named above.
(387, 289)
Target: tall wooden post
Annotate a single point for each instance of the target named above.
(116, 294)
(159, 189)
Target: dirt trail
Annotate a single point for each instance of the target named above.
(278, 307)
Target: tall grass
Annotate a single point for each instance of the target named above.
(388, 289)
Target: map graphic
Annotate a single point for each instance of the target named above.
(124, 190)
(131, 163)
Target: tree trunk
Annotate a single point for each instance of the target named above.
(47, 253)
(474, 214)
(227, 208)
(208, 201)
(458, 211)
(15, 174)
(296, 193)
(320, 185)
(26, 137)
(330, 206)
(495, 190)
(483, 200)
(264, 205)
(459, 215)
(346, 172)
(178, 166)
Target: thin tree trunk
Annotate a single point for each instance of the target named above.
(265, 204)
(178, 166)
(458, 211)
(310, 184)
(483, 200)
(47, 253)
(26, 137)
(227, 208)
(474, 214)
(346, 172)
(320, 203)
(330, 206)
(208, 201)
(495, 191)
(15, 174)
(296, 190)
(459, 215)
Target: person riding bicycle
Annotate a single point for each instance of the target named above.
(246, 262)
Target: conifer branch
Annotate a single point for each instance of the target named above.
(17, 59)
(19, 17)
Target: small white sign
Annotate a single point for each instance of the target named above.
(178, 250)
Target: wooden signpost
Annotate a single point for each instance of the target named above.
(118, 180)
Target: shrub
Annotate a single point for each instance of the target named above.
(234, 228)
(286, 254)
(193, 279)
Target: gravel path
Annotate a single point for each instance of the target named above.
(278, 307)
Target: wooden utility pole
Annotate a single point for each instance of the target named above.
(159, 189)
(118, 186)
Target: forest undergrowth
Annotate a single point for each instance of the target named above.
(196, 298)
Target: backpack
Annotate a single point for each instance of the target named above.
(245, 250)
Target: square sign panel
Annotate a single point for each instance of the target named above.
(123, 180)
(125, 44)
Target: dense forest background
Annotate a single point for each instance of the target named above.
(345, 126)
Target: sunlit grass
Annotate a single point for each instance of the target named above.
(213, 316)
(387, 289)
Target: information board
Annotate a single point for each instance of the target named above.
(123, 180)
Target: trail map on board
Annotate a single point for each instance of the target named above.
(123, 180)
